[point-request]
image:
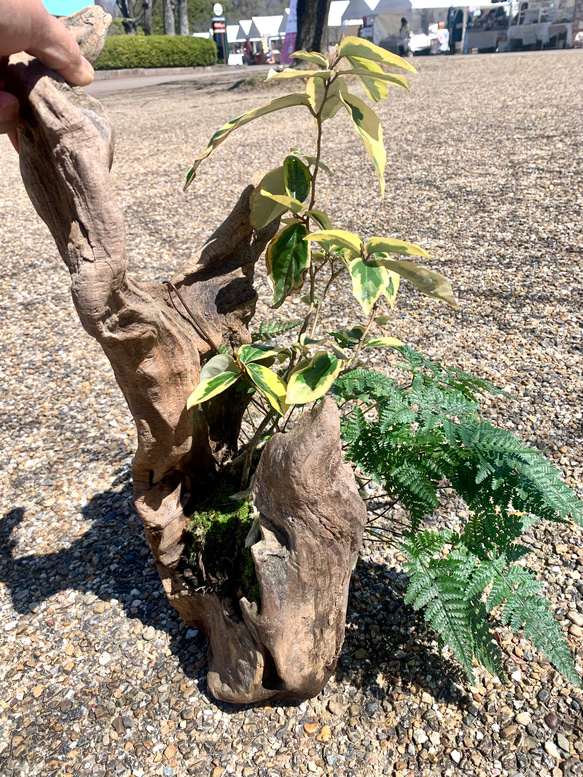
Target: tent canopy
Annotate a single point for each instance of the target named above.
(357, 9)
(266, 26)
(337, 8)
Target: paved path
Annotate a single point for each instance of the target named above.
(121, 84)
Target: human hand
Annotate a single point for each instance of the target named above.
(25, 25)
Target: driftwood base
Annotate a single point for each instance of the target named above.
(311, 517)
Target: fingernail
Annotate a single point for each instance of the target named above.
(87, 65)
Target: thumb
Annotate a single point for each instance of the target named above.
(54, 45)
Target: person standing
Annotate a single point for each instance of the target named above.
(404, 38)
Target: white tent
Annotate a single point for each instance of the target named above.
(244, 29)
(358, 9)
(337, 8)
(387, 16)
(266, 26)
(232, 32)
(283, 24)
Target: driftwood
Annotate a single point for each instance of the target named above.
(311, 517)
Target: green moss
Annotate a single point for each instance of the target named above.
(216, 554)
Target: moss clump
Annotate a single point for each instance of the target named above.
(216, 554)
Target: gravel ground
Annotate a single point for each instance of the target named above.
(98, 676)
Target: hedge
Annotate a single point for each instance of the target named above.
(127, 51)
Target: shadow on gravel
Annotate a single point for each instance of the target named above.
(387, 649)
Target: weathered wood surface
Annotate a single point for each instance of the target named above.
(311, 515)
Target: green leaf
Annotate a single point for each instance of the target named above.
(255, 353)
(288, 73)
(359, 47)
(263, 209)
(321, 218)
(337, 237)
(297, 178)
(368, 126)
(212, 382)
(370, 281)
(270, 385)
(287, 260)
(389, 246)
(312, 379)
(288, 101)
(290, 203)
(311, 56)
(383, 342)
(427, 281)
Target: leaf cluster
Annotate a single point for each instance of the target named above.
(419, 438)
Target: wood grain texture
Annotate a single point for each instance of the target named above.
(311, 515)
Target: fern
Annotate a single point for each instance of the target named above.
(271, 330)
(413, 440)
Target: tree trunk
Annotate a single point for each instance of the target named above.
(147, 7)
(312, 32)
(310, 517)
(169, 23)
(183, 17)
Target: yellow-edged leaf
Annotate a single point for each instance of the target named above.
(254, 353)
(270, 385)
(337, 237)
(315, 91)
(285, 75)
(288, 101)
(290, 203)
(311, 56)
(427, 281)
(368, 126)
(297, 178)
(360, 47)
(370, 281)
(287, 260)
(386, 245)
(320, 218)
(376, 85)
(263, 209)
(380, 342)
(312, 379)
(214, 384)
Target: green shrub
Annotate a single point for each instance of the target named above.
(128, 51)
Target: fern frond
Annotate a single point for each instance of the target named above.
(524, 608)
(270, 330)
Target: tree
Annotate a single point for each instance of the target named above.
(169, 20)
(312, 32)
(136, 12)
(183, 17)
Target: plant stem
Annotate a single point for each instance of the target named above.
(361, 342)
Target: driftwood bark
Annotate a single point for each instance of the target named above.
(311, 517)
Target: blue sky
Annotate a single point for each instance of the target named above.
(66, 7)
